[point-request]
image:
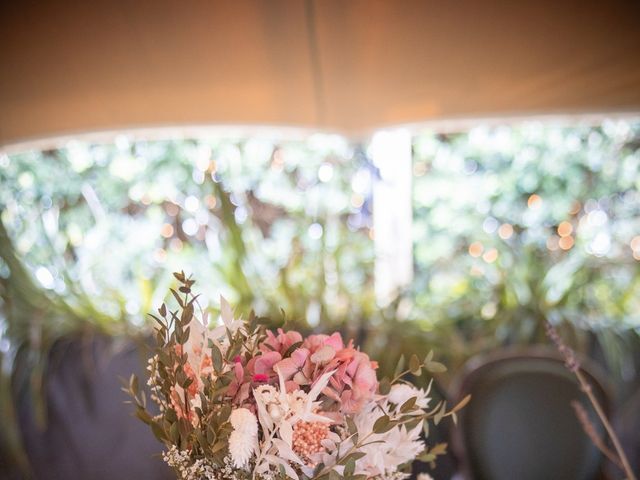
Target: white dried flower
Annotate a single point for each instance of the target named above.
(401, 392)
(243, 441)
(242, 420)
(424, 476)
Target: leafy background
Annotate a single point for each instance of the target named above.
(513, 224)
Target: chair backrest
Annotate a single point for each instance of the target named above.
(520, 423)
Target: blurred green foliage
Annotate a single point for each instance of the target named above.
(512, 225)
(518, 224)
(268, 224)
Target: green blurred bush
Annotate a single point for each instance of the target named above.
(518, 224)
(513, 225)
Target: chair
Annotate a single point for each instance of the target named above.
(520, 423)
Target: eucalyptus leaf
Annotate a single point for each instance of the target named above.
(414, 365)
(436, 367)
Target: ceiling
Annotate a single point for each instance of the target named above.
(346, 66)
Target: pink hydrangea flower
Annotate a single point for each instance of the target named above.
(354, 381)
(263, 364)
(359, 375)
(258, 370)
(280, 343)
(296, 370)
(316, 342)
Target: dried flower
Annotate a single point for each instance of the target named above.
(424, 476)
(569, 356)
(402, 392)
(243, 441)
(308, 437)
(265, 405)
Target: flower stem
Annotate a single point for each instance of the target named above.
(586, 388)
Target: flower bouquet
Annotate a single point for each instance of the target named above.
(239, 401)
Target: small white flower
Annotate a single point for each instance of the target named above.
(275, 411)
(243, 441)
(401, 392)
(424, 476)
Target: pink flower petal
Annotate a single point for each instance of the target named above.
(299, 356)
(265, 362)
(287, 368)
(323, 355)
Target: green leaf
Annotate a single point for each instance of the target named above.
(351, 426)
(439, 449)
(333, 475)
(414, 365)
(440, 414)
(355, 456)
(461, 404)
(225, 413)
(383, 424)
(399, 366)
(164, 358)
(176, 295)
(211, 435)
(413, 423)
(158, 432)
(144, 416)
(384, 387)
(318, 469)
(429, 357)
(133, 384)
(427, 457)
(350, 467)
(187, 383)
(216, 358)
(408, 405)
(201, 439)
(187, 315)
(170, 415)
(219, 445)
(174, 433)
(436, 367)
(291, 349)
